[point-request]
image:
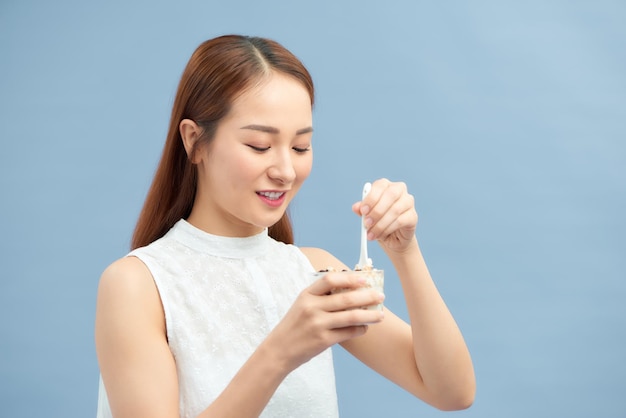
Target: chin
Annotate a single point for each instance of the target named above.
(268, 223)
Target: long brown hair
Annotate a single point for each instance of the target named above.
(218, 71)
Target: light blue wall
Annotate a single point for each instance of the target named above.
(505, 119)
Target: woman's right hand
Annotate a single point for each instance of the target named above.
(319, 319)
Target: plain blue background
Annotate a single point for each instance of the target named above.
(505, 119)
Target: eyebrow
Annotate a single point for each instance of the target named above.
(272, 130)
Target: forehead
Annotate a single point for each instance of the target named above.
(274, 95)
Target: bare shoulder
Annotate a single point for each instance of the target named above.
(126, 287)
(136, 364)
(128, 275)
(322, 259)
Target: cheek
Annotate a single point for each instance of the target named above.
(303, 168)
(229, 170)
(244, 168)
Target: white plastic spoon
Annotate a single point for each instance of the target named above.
(364, 261)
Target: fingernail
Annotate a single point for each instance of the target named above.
(370, 236)
(368, 222)
(365, 210)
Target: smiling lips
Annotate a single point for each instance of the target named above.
(273, 199)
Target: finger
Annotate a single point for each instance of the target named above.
(378, 189)
(404, 229)
(401, 216)
(344, 334)
(386, 221)
(354, 317)
(345, 299)
(383, 197)
(389, 206)
(336, 280)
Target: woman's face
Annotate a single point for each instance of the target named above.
(260, 156)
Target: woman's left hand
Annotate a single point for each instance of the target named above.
(390, 215)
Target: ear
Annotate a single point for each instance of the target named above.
(190, 133)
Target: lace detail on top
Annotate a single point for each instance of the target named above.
(221, 297)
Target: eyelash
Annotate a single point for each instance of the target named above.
(298, 150)
(259, 149)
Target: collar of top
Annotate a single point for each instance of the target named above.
(228, 247)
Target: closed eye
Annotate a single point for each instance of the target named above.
(301, 150)
(258, 149)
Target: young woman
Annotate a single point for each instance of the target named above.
(215, 313)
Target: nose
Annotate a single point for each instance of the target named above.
(282, 169)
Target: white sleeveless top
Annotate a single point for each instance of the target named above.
(221, 297)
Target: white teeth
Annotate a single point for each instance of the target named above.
(271, 195)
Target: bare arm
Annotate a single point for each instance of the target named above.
(429, 357)
(440, 351)
(139, 371)
(135, 362)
